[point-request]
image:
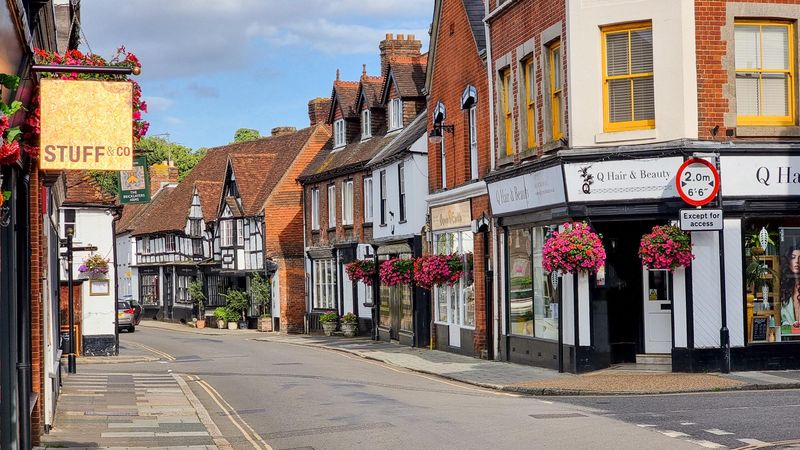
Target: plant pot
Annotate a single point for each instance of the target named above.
(328, 328)
(350, 329)
(233, 325)
(221, 324)
(201, 323)
(265, 324)
(757, 251)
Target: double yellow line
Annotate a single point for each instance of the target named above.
(230, 412)
(164, 355)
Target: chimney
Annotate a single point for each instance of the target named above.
(162, 174)
(401, 46)
(318, 110)
(283, 131)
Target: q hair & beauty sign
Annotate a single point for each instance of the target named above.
(759, 176)
(86, 125)
(622, 179)
(530, 191)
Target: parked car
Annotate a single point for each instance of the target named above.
(137, 315)
(125, 316)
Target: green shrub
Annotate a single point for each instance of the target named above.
(350, 318)
(237, 302)
(329, 317)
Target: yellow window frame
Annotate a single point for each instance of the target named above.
(634, 124)
(555, 92)
(790, 76)
(527, 71)
(505, 75)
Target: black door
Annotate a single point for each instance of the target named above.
(395, 312)
(168, 294)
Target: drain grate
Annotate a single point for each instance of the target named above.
(557, 415)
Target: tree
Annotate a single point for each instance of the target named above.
(261, 292)
(246, 134)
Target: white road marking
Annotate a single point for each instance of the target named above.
(718, 432)
(673, 434)
(753, 442)
(688, 423)
(644, 425)
(706, 444)
(546, 401)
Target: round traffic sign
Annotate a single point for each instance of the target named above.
(697, 181)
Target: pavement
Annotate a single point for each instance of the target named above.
(519, 378)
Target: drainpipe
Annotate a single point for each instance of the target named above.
(487, 31)
(487, 292)
(24, 363)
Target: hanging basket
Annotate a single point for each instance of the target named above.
(438, 270)
(575, 249)
(397, 271)
(666, 247)
(361, 271)
(94, 266)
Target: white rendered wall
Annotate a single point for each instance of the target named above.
(705, 289)
(675, 73)
(679, 307)
(568, 309)
(415, 168)
(734, 285)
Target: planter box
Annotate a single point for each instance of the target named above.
(233, 325)
(265, 324)
(350, 329)
(221, 324)
(200, 323)
(328, 328)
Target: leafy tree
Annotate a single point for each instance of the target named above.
(261, 292)
(237, 301)
(246, 134)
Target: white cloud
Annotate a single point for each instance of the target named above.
(157, 104)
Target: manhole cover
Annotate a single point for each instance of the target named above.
(557, 416)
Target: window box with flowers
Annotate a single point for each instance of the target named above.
(94, 266)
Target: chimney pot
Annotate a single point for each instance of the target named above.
(400, 37)
(411, 37)
(388, 36)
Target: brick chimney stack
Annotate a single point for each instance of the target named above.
(401, 46)
(161, 174)
(283, 131)
(318, 110)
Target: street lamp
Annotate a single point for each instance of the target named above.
(435, 137)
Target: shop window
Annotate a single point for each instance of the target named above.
(148, 288)
(628, 92)
(455, 305)
(772, 278)
(533, 309)
(183, 289)
(764, 73)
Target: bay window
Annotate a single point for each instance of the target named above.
(324, 291)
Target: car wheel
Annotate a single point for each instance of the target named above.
(131, 329)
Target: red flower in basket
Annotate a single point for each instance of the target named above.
(438, 270)
(666, 247)
(361, 270)
(575, 249)
(397, 271)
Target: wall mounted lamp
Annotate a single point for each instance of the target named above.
(435, 137)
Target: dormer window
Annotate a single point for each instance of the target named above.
(366, 126)
(395, 114)
(339, 133)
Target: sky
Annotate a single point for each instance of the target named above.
(210, 67)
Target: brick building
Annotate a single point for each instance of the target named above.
(599, 137)
(459, 156)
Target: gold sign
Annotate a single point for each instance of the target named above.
(86, 125)
(456, 215)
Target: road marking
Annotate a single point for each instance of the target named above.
(164, 355)
(642, 425)
(706, 444)
(718, 432)
(230, 417)
(673, 434)
(546, 402)
(205, 418)
(688, 423)
(754, 442)
(230, 412)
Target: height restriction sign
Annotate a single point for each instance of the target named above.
(697, 181)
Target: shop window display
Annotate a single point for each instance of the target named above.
(456, 304)
(532, 305)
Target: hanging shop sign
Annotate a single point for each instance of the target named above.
(134, 184)
(760, 176)
(86, 125)
(532, 190)
(701, 219)
(697, 181)
(622, 179)
(456, 215)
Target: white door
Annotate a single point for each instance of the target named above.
(657, 298)
(455, 316)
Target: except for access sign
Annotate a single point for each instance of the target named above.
(701, 219)
(697, 181)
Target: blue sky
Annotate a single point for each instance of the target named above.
(210, 67)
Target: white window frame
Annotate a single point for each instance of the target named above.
(240, 232)
(473, 142)
(395, 114)
(339, 133)
(368, 200)
(169, 243)
(383, 198)
(324, 289)
(401, 189)
(226, 233)
(458, 288)
(332, 206)
(366, 124)
(347, 202)
(315, 209)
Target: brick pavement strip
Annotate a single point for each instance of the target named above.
(131, 411)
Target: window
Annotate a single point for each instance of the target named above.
(556, 97)
(395, 114)
(195, 227)
(383, 197)
(505, 80)
(332, 206)
(456, 304)
(764, 73)
(473, 143)
(347, 202)
(240, 232)
(532, 308)
(339, 133)
(183, 289)
(226, 233)
(366, 126)
(401, 181)
(69, 221)
(315, 209)
(530, 99)
(628, 95)
(145, 245)
(324, 284)
(148, 288)
(170, 242)
(368, 200)
(197, 247)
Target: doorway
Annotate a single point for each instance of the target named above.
(657, 295)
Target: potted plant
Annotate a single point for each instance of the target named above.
(198, 298)
(261, 292)
(232, 317)
(221, 314)
(237, 303)
(328, 321)
(350, 325)
(397, 271)
(666, 247)
(574, 249)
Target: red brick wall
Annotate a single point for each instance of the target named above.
(330, 234)
(479, 206)
(291, 279)
(37, 250)
(515, 25)
(712, 73)
(457, 66)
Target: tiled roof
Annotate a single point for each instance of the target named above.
(408, 74)
(253, 171)
(210, 192)
(82, 189)
(417, 128)
(329, 163)
(130, 216)
(371, 87)
(345, 93)
(475, 12)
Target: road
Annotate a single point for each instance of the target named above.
(273, 395)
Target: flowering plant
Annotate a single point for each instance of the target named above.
(94, 265)
(436, 270)
(666, 247)
(361, 270)
(397, 271)
(577, 248)
(10, 137)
